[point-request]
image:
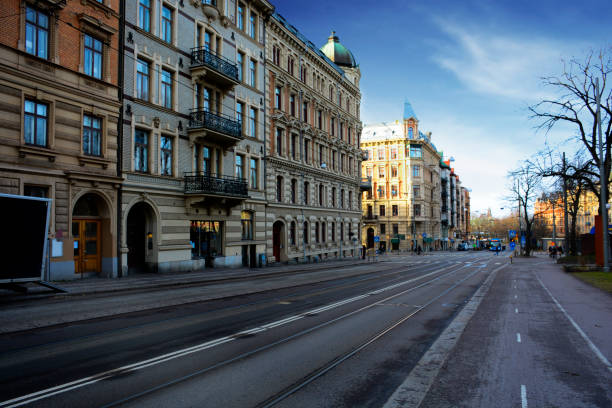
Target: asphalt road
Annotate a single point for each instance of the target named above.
(345, 342)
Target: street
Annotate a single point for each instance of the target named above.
(351, 341)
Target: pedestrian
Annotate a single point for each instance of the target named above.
(419, 250)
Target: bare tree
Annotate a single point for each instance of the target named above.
(576, 105)
(525, 187)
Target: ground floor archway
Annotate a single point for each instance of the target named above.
(278, 241)
(92, 234)
(141, 238)
(370, 238)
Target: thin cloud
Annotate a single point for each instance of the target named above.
(497, 65)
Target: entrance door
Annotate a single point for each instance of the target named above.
(276, 240)
(136, 239)
(86, 235)
(370, 238)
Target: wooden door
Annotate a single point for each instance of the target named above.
(86, 234)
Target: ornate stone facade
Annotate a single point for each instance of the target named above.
(312, 149)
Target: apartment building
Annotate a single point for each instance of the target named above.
(312, 150)
(59, 87)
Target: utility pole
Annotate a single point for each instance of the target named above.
(565, 221)
(603, 184)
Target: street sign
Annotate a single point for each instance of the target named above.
(376, 238)
(512, 245)
(511, 234)
(424, 235)
(523, 241)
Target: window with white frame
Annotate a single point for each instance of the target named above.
(165, 148)
(92, 135)
(166, 89)
(92, 56)
(36, 117)
(166, 24)
(37, 33)
(141, 150)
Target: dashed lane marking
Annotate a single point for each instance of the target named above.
(518, 337)
(523, 396)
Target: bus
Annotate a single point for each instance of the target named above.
(495, 244)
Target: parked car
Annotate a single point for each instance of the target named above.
(463, 247)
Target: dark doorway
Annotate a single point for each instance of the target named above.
(245, 256)
(137, 238)
(277, 230)
(370, 238)
(253, 257)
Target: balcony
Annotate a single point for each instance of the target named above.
(219, 129)
(366, 184)
(218, 70)
(210, 188)
(370, 217)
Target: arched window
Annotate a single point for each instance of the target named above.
(305, 232)
(323, 232)
(293, 191)
(306, 192)
(410, 133)
(317, 232)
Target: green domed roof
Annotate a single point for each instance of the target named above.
(338, 53)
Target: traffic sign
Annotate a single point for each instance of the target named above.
(512, 245)
(376, 238)
(523, 241)
(511, 234)
(424, 235)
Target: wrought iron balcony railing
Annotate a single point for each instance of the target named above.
(219, 123)
(203, 56)
(205, 183)
(370, 217)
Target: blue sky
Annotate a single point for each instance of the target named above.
(469, 68)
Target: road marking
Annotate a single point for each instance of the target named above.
(523, 396)
(515, 296)
(592, 346)
(515, 310)
(497, 263)
(49, 392)
(518, 337)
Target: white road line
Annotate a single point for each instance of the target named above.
(592, 346)
(523, 396)
(515, 296)
(518, 337)
(35, 396)
(515, 310)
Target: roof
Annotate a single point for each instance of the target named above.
(306, 42)
(338, 53)
(382, 131)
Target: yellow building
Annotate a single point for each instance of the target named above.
(402, 207)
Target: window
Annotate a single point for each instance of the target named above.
(416, 191)
(279, 141)
(350, 200)
(253, 26)
(342, 160)
(166, 89)
(393, 171)
(276, 55)
(36, 191)
(333, 231)
(305, 111)
(303, 74)
(416, 171)
(381, 211)
(293, 191)
(394, 210)
(317, 232)
(252, 122)
(306, 192)
(341, 231)
(381, 192)
(92, 135)
(207, 41)
(320, 119)
(369, 172)
(277, 97)
(333, 126)
(410, 133)
(37, 33)
(279, 189)
(35, 123)
(241, 16)
(246, 221)
(294, 150)
(144, 15)
(394, 191)
(166, 24)
(305, 232)
(166, 155)
(323, 232)
(381, 172)
(334, 160)
(321, 194)
(417, 210)
(142, 79)
(320, 153)
(141, 150)
(252, 77)
(342, 198)
(306, 155)
(394, 153)
(253, 168)
(383, 228)
(240, 63)
(395, 229)
(292, 105)
(290, 65)
(205, 160)
(92, 64)
(415, 150)
(292, 233)
(381, 153)
(239, 110)
(239, 168)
